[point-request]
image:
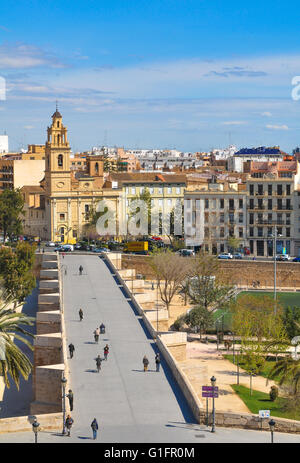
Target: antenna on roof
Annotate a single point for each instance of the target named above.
(56, 105)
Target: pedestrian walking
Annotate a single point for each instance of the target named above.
(106, 351)
(43, 250)
(80, 314)
(80, 270)
(157, 361)
(96, 335)
(98, 363)
(63, 255)
(71, 398)
(145, 363)
(69, 422)
(66, 271)
(94, 426)
(102, 328)
(71, 350)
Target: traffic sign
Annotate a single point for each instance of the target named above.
(210, 394)
(210, 388)
(264, 413)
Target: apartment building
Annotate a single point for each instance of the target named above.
(273, 200)
(16, 173)
(215, 212)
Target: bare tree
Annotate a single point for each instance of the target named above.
(170, 270)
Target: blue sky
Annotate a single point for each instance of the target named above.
(167, 73)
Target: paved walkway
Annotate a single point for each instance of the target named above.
(130, 405)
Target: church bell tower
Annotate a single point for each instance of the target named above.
(57, 157)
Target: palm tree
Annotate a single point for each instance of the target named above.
(13, 361)
(288, 369)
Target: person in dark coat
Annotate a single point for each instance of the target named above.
(80, 314)
(94, 426)
(71, 350)
(106, 351)
(157, 361)
(69, 422)
(98, 363)
(80, 270)
(145, 363)
(71, 398)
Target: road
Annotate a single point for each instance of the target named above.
(131, 406)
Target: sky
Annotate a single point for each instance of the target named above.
(187, 74)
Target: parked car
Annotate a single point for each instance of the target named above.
(237, 255)
(283, 257)
(50, 244)
(225, 255)
(78, 246)
(296, 259)
(100, 250)
(63, 249)
(186, 252)
(66, 248)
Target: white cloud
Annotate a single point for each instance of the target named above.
(28, 127)
(234, 123)
(277, 127)
(266, 113)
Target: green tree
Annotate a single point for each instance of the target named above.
(13, 362)
(291, 321)
(11, 206)
(16, 270)
(199, 317)
(288, 369)
(233, 243)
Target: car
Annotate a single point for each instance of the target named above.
(225, 255)
(77, 246)
(186, 252)
(63, 249)
(50, 244)
(100, 250)
(237, 255)
(296, 259)
(283, 257)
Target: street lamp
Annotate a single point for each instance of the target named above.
(275, 236)
(213, 382)
(35, 429)
(63, 383)
(272, 426)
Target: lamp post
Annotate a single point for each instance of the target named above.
(213, 382)
(35, 429)
(275, 235)
(157, 306)
(63, 383)
(238, 368)
(272, 426)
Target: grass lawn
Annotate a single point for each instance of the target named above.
(269, 364)
(286, 299)
(261, 401)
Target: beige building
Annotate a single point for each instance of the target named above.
(17, 173)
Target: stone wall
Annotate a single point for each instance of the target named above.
(24, 423)
(241, 272)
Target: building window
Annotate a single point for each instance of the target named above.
(61, 216)
(251, 218)
(288, 232)
(60, 160)
(251, 231)
(222, 232)
(178, 190)
(241, 218)
(270, 204)
(206, 232)
(231, 204)
(260, 189)
(169, 190)
(206, 203)
(240, 203)
(288, 189)
(251, 190)
(259, 231)
(160, 191)
(241, 233)
(251, 206)
(222, 203)
(270, 190)
(169, 202)
(221, 218)
(151, 190)
(279, 189)
(133, 190)
(74, 233)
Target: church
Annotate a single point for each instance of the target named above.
(59, 208)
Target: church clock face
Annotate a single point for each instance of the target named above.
(60, 184)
